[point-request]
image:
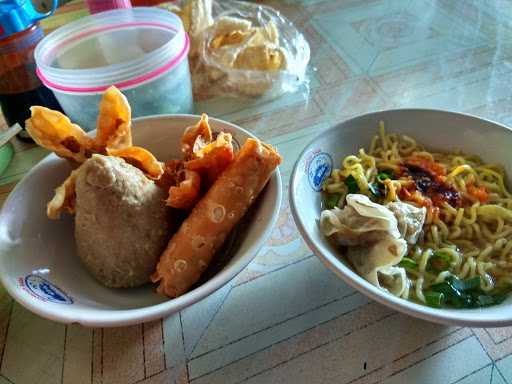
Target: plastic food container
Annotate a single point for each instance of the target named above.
(143, 51)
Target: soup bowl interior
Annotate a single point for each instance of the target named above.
(438, 131)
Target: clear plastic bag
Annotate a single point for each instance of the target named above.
(243, 49)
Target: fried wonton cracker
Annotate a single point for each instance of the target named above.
(113, 126)
(54, 131)
(170, 176)
(184, 186)
(196, 136)
(187, 193)
(64, 198)
(205, 160)
(212, 159)
(140, 158)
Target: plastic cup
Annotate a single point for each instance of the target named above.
(143, 51)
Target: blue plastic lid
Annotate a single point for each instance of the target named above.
(18, 15)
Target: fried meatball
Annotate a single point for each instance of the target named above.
(121, 223)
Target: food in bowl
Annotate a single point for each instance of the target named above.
(428, 227)
(121, 225)
(126, 187)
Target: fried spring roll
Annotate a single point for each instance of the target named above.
(191, 249)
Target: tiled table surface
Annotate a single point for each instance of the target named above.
(286, 318)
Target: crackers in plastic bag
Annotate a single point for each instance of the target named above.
(261, 58)
(196, 16)
(248, 50)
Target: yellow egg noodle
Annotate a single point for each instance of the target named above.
(473, 234)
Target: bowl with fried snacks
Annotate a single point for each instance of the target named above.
(39, 265)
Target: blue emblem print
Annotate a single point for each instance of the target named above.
(46, 291)
(319, 168)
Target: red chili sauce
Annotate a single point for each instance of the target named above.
(429, 178)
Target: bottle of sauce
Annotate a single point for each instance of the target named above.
(20, 88)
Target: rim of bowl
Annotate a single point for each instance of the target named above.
(123, 317)
(349, 276)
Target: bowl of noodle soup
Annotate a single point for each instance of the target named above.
(412, 208)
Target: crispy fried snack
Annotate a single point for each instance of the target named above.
(196, 136)
(212, 159)
(192, 248)
(114, 124)
(233, 31)
(206, 159)
(170, 176)
(261, 58)
(225, 24)
(140, 158)
(64, 198)
(184, 186)
(236, 45)
(268, 34)
(229, 38)
(54, 131)
(188, 191)
(196, 16)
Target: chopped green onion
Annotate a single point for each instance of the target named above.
(374, 189)
(331, 200)
(454, 297)
(440, 261)
(383, 176)
(352, 185)
(464, 285)
(469, 284)
(485, 300)
(408, 263)
(443, 287)
(465, 293)
(499, 298)
(434, 299)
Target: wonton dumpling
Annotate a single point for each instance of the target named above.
(374, 242)
(410, 219)
(376, 263)
(360, 222)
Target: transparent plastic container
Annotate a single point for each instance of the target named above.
(143, 51)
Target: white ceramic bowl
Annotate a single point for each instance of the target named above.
(438, 130)
(38, 264)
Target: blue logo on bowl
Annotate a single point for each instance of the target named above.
(319, 168)
(42, 289)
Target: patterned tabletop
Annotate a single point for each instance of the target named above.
(286, 318)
